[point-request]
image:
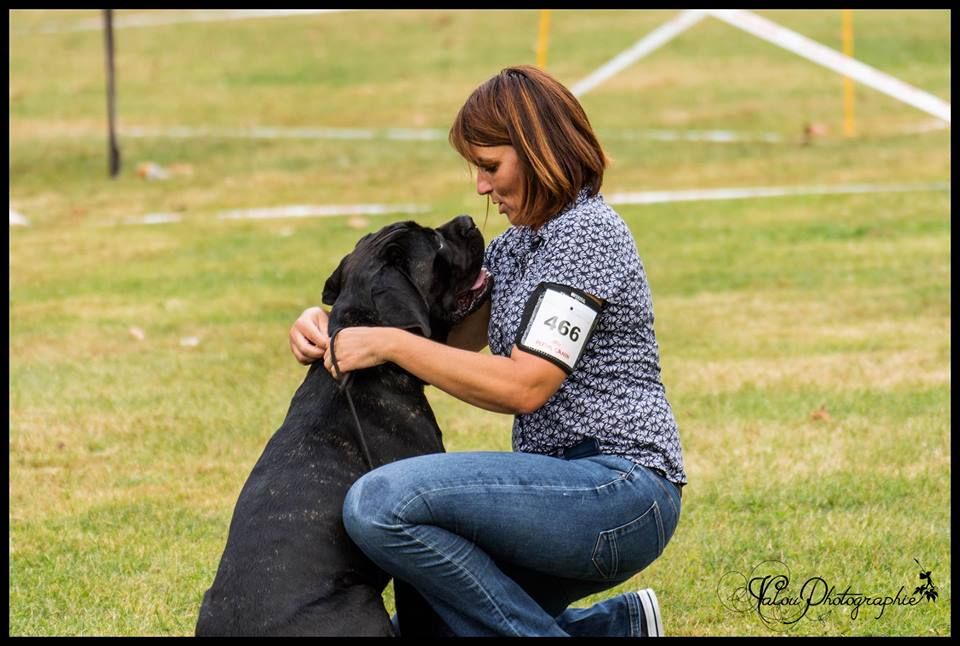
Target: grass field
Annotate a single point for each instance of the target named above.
(805, 340)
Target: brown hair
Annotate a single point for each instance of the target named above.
(528, 109)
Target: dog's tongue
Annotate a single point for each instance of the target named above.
(482, 276)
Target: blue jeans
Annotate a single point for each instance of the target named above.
(501, 543)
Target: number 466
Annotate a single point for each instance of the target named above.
(563, 327)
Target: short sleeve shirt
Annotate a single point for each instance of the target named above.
(614, 392)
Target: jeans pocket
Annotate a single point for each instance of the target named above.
(630, 547)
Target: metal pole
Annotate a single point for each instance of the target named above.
(543, 38)
(113, 148)
(849, 124)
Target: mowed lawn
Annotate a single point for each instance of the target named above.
(805, 339)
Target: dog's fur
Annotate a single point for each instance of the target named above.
(289, 567)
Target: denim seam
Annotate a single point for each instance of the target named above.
(460, 567)
(666, 493)
(615, 548)
(633, 612)
(400, 509)
(403, 505)
(661, 535)
(621, 476)
(489, 597)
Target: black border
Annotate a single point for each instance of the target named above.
(533, 304)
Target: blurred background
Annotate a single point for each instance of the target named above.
(794, 224)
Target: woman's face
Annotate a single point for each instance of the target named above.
(499, 175)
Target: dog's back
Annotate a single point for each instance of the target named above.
(288, 566)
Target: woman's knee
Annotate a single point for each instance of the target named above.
(400, 494)
(369, 506)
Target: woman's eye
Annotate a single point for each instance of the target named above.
(489, 169)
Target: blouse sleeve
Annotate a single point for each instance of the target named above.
(592, 254)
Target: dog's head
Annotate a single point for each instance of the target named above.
(410, 276)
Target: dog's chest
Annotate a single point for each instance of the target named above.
(393, 417)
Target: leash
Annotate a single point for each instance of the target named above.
(343, 382)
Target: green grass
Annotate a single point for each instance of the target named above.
(805, 340)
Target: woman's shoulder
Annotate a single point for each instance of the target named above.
(593, 219)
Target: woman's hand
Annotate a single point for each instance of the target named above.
(308, 335)
(358, 348)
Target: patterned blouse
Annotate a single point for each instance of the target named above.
(614, 392)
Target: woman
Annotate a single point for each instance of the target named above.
(500, 543)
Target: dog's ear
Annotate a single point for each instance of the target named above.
(331, 289)
(398, 302)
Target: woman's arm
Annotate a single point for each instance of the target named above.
(518, 384)
(308, 334)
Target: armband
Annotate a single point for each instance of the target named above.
(557, 323)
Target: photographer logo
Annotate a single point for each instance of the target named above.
(769, 591)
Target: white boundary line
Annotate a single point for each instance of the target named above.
(659, 197)
(17, 219)
(321, 211)
(294, 211)
(168, 17)
(713, 136)
(426, 134)
(642, 197)
(268, 132)
(436, 134)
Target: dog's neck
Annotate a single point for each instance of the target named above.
(348, 316)
(387, 377)
(344, 317)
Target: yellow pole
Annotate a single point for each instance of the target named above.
(848, 116)
(543, 38)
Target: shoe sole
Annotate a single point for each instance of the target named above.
(651, 610)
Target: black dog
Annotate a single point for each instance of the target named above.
(289, 567)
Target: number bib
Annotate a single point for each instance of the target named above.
(557, 323)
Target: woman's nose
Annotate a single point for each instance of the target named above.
(483, 184)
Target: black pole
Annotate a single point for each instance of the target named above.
(113, 149)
